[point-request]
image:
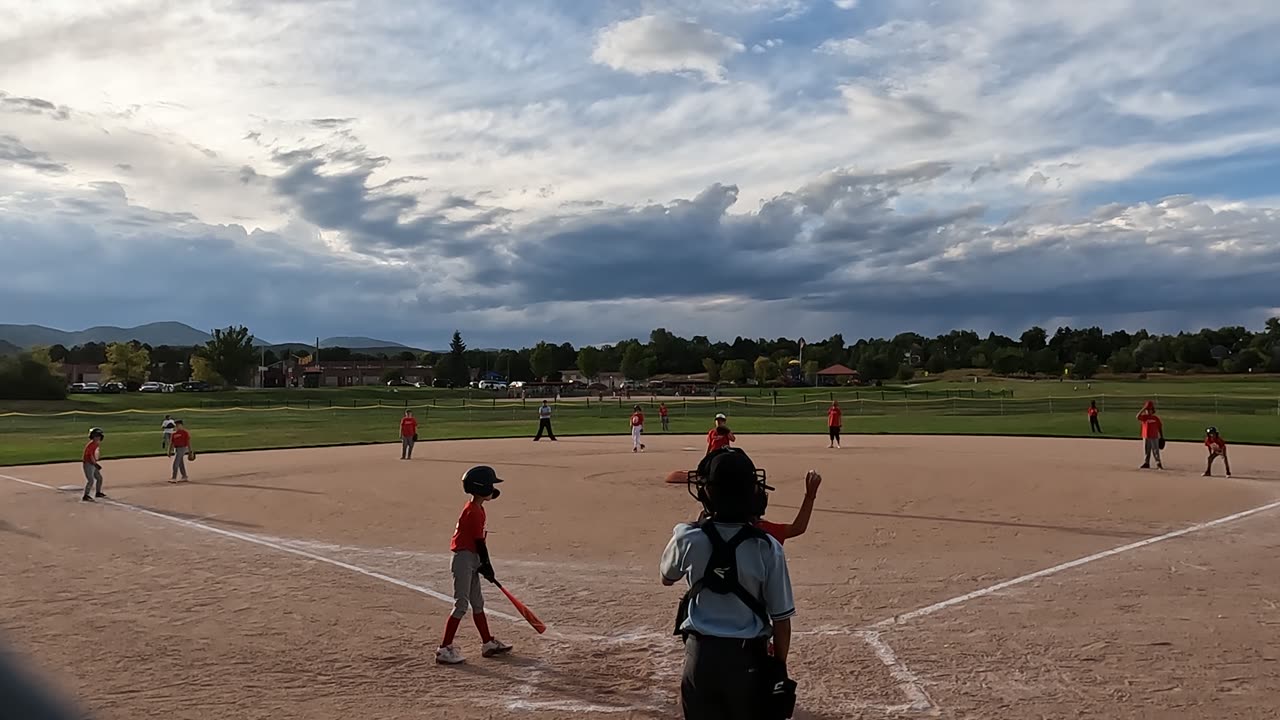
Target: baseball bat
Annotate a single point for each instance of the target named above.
(525, 612)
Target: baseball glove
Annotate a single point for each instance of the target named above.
(191, 456)
(415, 437)
(1162, 443)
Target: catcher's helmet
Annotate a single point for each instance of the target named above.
(480, 480)
(96, 433)
(730, 486)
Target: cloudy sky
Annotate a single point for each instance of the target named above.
(581, 171)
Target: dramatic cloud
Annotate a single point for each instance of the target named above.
(660, 44)
(588, 171)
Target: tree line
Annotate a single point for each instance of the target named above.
(232, 355)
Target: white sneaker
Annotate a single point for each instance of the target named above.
(448, 655)
(495, 647)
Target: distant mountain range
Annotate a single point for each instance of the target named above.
(163, 333)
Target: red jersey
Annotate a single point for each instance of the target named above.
(1093, 411)
(408, 427)
(637, 419)
(1152, 428)
(470, 528)
(181, 438)
(662, 411)
(777, 530)
(1216, 444)
(91, 452)
(833, 417)
(715, 441)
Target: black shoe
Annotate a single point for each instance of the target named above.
(100, 494)
(1144, 466)
(86, 498)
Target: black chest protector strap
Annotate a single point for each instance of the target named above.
(721, 573)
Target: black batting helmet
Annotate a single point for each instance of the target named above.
(1211, 430)
(480, 480)
(730, 486)
(96, 433)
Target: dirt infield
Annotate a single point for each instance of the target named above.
(313, 583)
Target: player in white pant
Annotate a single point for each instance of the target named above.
(637, 429)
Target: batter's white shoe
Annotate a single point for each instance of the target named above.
(448, 655)
(495, 647)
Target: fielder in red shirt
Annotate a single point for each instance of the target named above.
(1217, 447)
(408, 435)
(470, 563)
(637, 429)
(720, 436)
(1152, 434)
(662, 413)
(834, 414)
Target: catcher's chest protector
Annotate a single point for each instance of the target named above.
(721, 573)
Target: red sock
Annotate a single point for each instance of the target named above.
(482, 624)
(450, 629)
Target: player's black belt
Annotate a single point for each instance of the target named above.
(754, 644)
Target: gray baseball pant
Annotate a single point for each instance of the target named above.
(92, 476)
(180, 462)
(406, 448)
(466, 583)
(1152, 446)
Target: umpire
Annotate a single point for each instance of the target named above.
(739, 598)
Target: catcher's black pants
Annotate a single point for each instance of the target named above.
(721, 678)
(544, 424)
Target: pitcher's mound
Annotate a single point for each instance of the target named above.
(677, 477)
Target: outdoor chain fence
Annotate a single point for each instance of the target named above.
(868, 403)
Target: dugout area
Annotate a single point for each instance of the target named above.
(313, 583)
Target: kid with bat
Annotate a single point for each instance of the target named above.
(470, 563)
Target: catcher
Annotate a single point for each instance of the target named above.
(1217, 448)
(182, 451)
(739, 598)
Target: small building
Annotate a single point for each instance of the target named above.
(354, 373)
(838, 375)
(81, 373)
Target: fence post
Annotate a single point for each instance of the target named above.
(1050, 404)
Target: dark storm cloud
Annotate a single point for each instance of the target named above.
(13, 151)
(332, 190)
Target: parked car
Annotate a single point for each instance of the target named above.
(75, 388)
(399, 383)
(92, 388)
(196, 386)
(492, 385)
(151, 387)
(517, 385)
(113, 388)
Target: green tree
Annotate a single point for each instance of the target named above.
(1086, 366)
(1008, 361)
(1122, 362)
(1245, 361)
(1045, 361)
(542, 360)
(733, 371)
(230, 354)
(877, 367)
(765, 369)
(453, 367)
(936, 363)
(202, 370)
(589, 362)
(635, 364)
(712, 369)
(1034, 339)
(810, 369)
(392, 375)
(126, 363)
(30, 377)
(905, 373)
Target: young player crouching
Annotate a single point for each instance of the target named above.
(1217, 448)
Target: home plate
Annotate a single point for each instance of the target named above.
(70, 488)
(690, 449)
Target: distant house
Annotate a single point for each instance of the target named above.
(81, 373)
(610, 380)
(353, 373)
(838, 375)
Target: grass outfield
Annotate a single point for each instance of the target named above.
(26, 439)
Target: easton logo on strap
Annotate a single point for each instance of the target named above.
(723, 576)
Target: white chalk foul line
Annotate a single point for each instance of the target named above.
(961, 599)
(277, 546)
(910, 685)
